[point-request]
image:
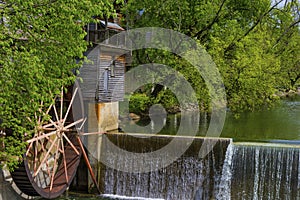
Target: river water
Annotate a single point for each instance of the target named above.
(279, 123)
(282, 122)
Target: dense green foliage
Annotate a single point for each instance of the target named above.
(255, 44)
(40, 41)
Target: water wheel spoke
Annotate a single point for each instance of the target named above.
(31, 152)
(28, 149)
(45, 151)
(41, 136)
(39, 152)
(48, 110)
(54, 166)
(54, 123)
(42, 145)
(69, 107)
(45, 157)
(46, 113)
(82, 124)
(55, 112)
(61, 103)
(35, 117)
(71, 144)
(51, 124)
(46, 126)
(35, 157)
(39, 120)
(51, 141)
(49, 129)
(64, 160)
(48, 169)
(73, 124)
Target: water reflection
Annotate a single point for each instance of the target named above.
(279, 123)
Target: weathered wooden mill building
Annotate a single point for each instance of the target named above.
(102, 87)
(103, 74)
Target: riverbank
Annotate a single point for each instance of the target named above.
(136, 113)
(288, 94)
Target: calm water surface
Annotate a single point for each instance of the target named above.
(279, 123)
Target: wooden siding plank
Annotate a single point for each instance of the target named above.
(92, 74)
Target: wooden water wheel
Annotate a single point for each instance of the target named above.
(54, 152)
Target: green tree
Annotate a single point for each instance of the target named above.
(287, 44)
(40, 41)
(242, 38)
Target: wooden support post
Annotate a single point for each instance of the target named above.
(88, 164)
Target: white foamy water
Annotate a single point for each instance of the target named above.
(113, 196)
(265, 172)
(224, 192)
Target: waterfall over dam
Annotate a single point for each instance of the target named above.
(265, 171)
(188, 177)
(230, 171)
